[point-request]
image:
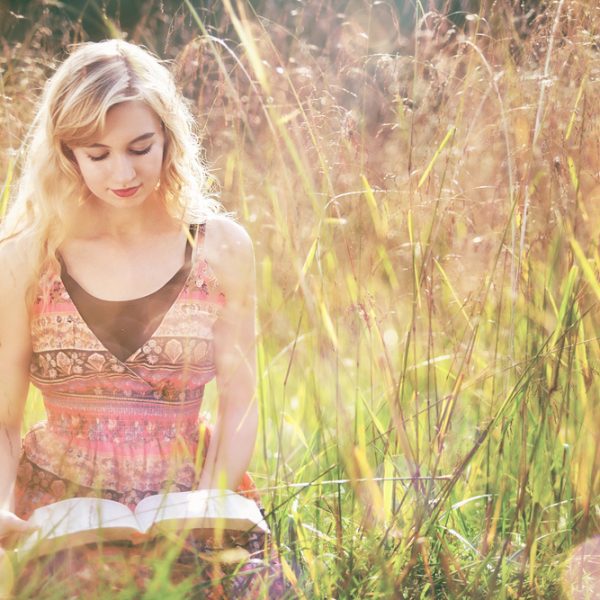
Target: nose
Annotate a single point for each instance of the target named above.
(124, 171)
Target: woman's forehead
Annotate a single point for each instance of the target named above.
(125, 123)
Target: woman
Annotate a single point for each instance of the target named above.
(123, 293)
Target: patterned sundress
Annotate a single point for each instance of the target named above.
(127, 429)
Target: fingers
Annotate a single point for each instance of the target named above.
(10, 523)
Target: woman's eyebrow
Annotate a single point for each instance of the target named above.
(139, 138)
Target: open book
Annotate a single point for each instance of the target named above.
(79, 521)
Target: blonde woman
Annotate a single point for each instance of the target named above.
(122, 293)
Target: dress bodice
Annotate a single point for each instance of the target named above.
(123, 326)
(123, 424)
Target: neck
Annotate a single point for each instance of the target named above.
(123, 224)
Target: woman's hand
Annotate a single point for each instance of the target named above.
(11, 526)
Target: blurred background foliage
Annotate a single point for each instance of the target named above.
(422, 185)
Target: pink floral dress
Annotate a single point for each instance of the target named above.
(126, 429)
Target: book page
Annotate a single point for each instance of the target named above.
(74, 516)
(201, 509)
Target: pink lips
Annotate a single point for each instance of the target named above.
(125, 193)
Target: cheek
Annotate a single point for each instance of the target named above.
(154, 165)
(81, 166)
(86, 175)
(92, 176)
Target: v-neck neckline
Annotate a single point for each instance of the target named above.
(126, 361)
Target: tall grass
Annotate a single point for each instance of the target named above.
(424, 208)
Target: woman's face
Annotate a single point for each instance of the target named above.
(122, 167)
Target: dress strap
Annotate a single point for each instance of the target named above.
(197, 233)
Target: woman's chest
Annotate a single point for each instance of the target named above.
(67, 351)
(120, 273)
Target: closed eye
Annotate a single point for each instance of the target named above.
(144, 151)
(95, 158)
(136, 152)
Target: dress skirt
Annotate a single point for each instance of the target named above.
(182, 568)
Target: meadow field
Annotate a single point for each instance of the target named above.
(422, 184)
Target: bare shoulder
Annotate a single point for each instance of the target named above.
(229, 252)
(223, 234)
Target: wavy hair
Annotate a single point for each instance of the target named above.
(72, 112)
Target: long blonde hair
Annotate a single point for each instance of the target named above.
(72, 111)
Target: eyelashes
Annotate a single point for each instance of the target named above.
(144, 151)
(136, 152)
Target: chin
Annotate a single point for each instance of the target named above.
(114, 201)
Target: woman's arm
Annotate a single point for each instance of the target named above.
(15, 355)
(229, 252)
